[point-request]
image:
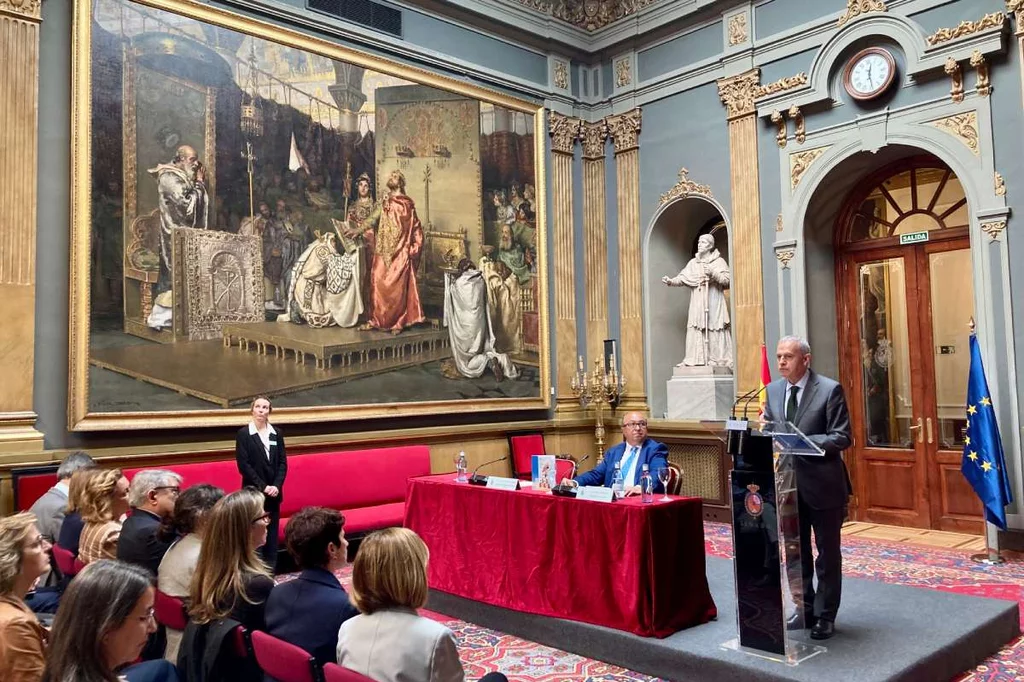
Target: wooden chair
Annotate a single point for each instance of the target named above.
(336, 673)
(675, 481)
(522, 446)
(283, 661)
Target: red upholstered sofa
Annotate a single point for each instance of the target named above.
(367, 485)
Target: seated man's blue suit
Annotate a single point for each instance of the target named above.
(652, 453)
(308, 612)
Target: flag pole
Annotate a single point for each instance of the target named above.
(991, 557)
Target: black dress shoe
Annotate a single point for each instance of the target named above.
(823, 629)
(794, 623)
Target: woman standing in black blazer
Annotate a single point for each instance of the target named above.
(259, 451)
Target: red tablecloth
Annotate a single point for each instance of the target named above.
(625, 565)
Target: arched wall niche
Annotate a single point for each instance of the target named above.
(670, 242)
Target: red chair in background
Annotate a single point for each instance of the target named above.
(283, 661)
(78, 566)
(241, 643)
(170, 611)
(336, 673)
(522, 446)
(65, 561)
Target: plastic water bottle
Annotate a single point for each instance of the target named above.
(617, 486)
(646, 486)
(460, 468)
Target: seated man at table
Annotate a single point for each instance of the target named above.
(635, 451)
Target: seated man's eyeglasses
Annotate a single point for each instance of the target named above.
(636, 425)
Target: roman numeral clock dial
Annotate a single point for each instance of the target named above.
(869, 73)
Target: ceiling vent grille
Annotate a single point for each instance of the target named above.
(364, 12)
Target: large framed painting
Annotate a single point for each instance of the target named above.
(258, 211)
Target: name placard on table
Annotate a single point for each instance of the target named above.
(502, 483)
(595, 493)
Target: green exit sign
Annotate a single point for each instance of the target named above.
(913, 238)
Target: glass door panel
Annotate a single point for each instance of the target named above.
(885, 354)
(952, 306)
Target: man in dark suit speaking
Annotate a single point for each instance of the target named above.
(636, 450)
(815, 405)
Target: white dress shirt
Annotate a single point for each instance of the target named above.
(801, 385)
(264, 436)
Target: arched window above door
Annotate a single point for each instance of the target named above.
(918, 195)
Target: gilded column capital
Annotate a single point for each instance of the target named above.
(1017, 8)
(22, 9)
(624, 129)
(563, 130)
(738, 93)
(592, 137)
(993, 229)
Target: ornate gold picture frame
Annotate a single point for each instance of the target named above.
(257, 210)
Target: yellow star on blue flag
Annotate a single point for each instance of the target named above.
(983, 463)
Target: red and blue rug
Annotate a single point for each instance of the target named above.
(484, 650)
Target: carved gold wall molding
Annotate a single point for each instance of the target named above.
(856, 8)
(993, 229)
(982, 85)
(781, 85)
(625, 132)
(1017, 8)
(561, 75)
(966, 28)
(19, 133)
(737, 29)
(799, 162)
(956, 79)
(564, 131)
(588, 15)
(739, 92)
(595, 235)
(999, 185)
(797, 117)
(778, 223)
(782, 133)
(684, 188)
(623, 72)
(963, 126)
(784, 257)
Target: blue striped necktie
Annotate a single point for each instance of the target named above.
(627, 463)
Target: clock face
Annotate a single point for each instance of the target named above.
(869, 73)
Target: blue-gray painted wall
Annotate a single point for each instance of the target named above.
(673, 54)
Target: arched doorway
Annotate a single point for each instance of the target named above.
(905, 297)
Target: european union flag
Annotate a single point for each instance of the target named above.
(983, 464)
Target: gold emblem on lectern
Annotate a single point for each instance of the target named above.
(753, 502)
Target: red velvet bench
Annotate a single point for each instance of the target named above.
(368, 486)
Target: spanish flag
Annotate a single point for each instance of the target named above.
(766, 378)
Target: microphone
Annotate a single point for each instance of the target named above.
(567, 490)
(756, 395)
(743, 397)
(477, 479)
(575, 465)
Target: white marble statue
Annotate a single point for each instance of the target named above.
(708, 335)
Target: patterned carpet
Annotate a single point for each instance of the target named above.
(483, 650)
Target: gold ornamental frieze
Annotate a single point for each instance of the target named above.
(781, 85)
(799, 162)
(561, 75)
(963, 126)
(623, 72)
(1016, 7)
(966, 28)
(685, 188)
(737, 30)
(856, 8)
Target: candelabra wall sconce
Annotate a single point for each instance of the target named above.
(604, 386)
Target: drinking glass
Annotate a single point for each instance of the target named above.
(664, 474)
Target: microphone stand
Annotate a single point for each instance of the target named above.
(565, 490)
(479, 479)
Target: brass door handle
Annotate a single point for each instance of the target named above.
(928, 428)
(920, 433)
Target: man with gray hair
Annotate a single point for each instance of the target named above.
(817, 406)
(152, 495)
(51, 507)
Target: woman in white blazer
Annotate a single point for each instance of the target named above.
(389, 641)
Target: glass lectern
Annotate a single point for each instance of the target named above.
(766, 537)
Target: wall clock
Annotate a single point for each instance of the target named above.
(869, 73)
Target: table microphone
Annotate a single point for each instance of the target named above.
(477, 479)
(565, 490)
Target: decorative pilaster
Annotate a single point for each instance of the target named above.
(563, 130)
(737, 94)
(624, 130)
(19, 131)
(595, 238)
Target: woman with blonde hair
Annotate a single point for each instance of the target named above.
(71, 530)
(230, 580)
(23, 558)
(104, 500)
(389, 641)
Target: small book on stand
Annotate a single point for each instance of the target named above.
(348, 244)
(543, 470)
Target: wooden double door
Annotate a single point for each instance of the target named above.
(904, 315)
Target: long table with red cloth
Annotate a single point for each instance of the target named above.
(624, 565)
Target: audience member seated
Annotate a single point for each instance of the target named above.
(308, 610)
(104, 620)
(71, 529)
(231, 581)
(23, 559)
(51, 508)
(152, 495)
(104, 502)
(389, 641)
(187, 524)
(631, 454)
